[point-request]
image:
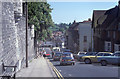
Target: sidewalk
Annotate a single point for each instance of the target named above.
(37, 68)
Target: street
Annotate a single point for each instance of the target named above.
(86, 70)
(80, 69)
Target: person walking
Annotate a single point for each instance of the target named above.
(44, 52)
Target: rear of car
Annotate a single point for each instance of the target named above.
(47, 52)
(67, 58)
(57, 56)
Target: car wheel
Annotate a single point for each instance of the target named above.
(87, 61)
(103, 63)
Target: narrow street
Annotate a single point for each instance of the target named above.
(81, 69)
(39, 38)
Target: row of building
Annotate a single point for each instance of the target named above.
(100, 34)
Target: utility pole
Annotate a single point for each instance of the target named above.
(26, 34)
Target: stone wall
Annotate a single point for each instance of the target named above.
(13, 36)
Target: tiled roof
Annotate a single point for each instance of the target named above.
(105, 18)
(96, 15)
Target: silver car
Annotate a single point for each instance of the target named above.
(57, 56)
(67, 58)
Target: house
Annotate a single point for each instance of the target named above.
(106, 26)
(72, 37)
(85, 36)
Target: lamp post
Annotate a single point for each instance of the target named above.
(26, 34)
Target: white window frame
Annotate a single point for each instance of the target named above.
(107, 48)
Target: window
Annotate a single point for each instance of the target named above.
(109, 47)
(100, 54)
(107, 54)
(117, 54)
(85, 38)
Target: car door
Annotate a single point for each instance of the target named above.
(115, 59)
(98, 55)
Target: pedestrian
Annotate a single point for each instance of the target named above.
(52, 54)
(44, 52)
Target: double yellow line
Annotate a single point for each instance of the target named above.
(56, 71)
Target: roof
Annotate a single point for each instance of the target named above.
(105, 18)
(113, 25)
(96, 15)
(74, 25)
(110, 15)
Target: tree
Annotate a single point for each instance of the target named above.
(39, 15)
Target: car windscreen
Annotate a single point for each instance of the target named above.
(117, 54)
(58, 54)
(107, 54)
(67, 57)
(81, 53)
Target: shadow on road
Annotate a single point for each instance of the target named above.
(62, 65)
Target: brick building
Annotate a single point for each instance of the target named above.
(106, 25)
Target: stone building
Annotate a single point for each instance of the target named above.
(106, 25)
(13, 35)
(72, 38)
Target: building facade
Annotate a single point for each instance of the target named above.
(72, 38)
(85, 36)
(106, 24)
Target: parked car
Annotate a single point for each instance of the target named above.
(80, 55)
(93, 59)
(113, 59)
(76, 56)
(66, 50)
(57, 55)
(67, 58)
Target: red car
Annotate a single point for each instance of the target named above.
(46, 54)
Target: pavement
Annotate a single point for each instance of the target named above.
(39, 67)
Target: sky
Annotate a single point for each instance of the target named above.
(67, 12)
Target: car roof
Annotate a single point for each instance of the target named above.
(58, 52)
(67, 53)
(105, 52)
(117, 52)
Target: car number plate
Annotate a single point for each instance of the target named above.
(69, 60)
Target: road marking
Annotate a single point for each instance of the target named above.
(56, 71)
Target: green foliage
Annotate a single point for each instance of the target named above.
(39, 15)
(60, 27)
